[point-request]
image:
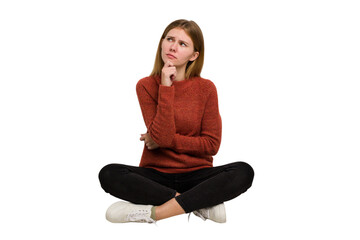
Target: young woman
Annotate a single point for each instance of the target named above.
(180, 110)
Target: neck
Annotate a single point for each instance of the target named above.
(180, 73)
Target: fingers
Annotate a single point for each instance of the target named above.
(168, 73)
(149, 142)
(150, 146)
(169, 64)
(147, 139)
(169, 69)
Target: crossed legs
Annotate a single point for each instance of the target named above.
(199, 189)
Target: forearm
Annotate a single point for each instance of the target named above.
(199, 146)
(159, 115)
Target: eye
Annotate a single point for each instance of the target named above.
(183, 44)
(169, 39)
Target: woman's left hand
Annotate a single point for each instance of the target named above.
(149, 142)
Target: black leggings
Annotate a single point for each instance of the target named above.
(199, 189)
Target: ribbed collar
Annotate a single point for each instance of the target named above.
(179, 85)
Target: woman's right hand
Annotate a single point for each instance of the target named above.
(168, 74)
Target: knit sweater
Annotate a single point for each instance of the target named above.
(184, 120)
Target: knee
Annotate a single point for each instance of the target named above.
(105, 173)
(109, 172)
(244, 173)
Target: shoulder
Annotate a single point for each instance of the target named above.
(205, 85)
(149, 83)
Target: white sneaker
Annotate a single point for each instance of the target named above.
(122, 212)
(216, 213)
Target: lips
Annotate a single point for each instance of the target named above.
(170, 56)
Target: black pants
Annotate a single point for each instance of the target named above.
(199, 189)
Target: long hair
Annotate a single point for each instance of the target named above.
(193, 68)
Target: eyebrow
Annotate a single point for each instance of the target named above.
(179, 40)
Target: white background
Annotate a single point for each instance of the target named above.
(287, 74)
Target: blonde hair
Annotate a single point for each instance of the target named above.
(193, 68)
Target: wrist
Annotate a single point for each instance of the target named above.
(166, 83)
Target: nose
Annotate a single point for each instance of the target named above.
(173, 47)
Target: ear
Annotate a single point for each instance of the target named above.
(194, 56)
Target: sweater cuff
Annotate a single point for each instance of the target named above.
(176, 143)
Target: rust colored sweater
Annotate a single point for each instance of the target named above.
(184, 120)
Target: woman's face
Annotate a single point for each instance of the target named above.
(178, 48)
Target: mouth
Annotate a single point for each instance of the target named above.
(170, 56)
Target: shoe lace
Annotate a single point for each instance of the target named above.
(140, 216)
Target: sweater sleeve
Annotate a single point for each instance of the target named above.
(158, 116)
(208, 143)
